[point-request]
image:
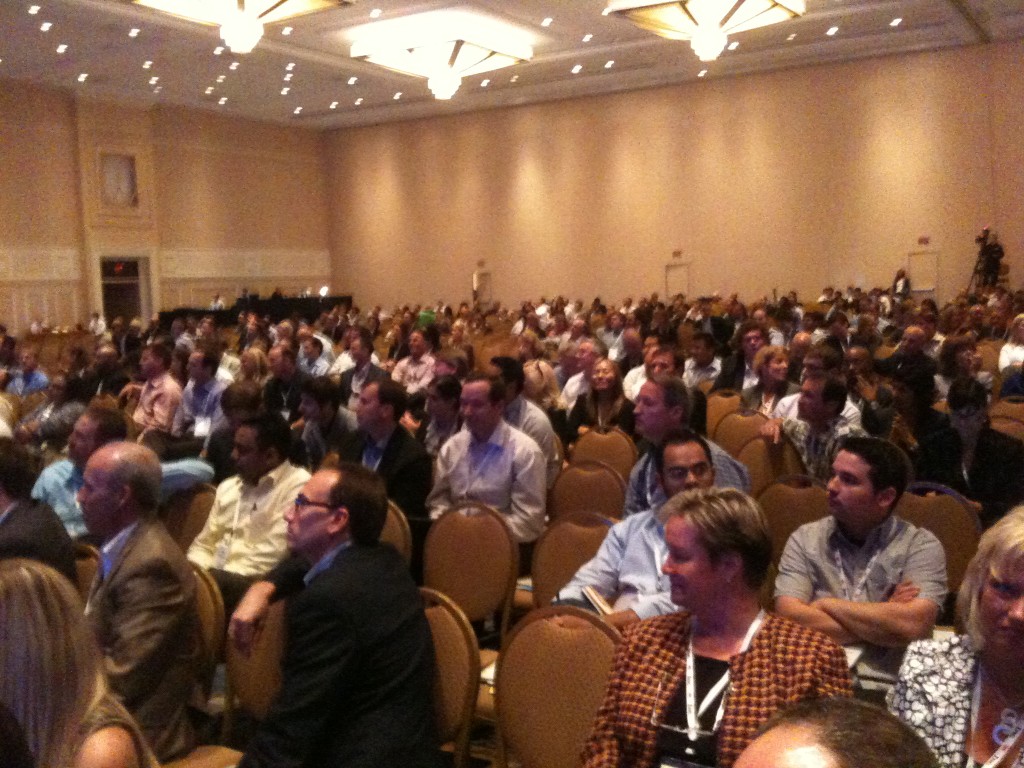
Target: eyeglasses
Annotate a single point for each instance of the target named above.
(302, 503)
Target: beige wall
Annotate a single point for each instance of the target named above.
(792, 179)
(222, 204)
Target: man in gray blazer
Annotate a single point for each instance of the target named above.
(142, 604)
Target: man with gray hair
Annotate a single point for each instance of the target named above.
(141, 605)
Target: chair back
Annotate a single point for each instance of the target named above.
(587, 486)
(567, 544)
(884, 351)
(738, 428)
(87, 563)
(550, 681)
(788, 503)
(471, 556)
(988, 351)
(212, 626)
(767, 461)
(184, 513)
(1010, 407)
(949, 516)
(9, 409)
(1008, 426)
(457, 671)
(613, 447)
(255, 680)
(396, 532)
(720, 403)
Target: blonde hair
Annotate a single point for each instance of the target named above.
(1000, 554)
(50, 667)
(541, 385)
(262, 366)
(767, 354)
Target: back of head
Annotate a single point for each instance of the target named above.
(110, 423)
(138, 468)
(511, 371)
(17, 470)
(392, 393)
(362, 492)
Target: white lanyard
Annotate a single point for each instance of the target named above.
(692, 712)
(1009, 742)
(858, 590)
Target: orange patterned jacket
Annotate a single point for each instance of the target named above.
(786, 662)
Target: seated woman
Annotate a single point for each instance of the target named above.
(696, 685)
(604, 406)
(959, 359)
(963, 694)
(772, 366)
(53, 681)
(542, 388)
(1011, 354)
(443, 419)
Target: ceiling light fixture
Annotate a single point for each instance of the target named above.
(442, 46)
(62, 48)
(707, 24)
(33, 10)
(831, 31)
(895, 22)
(241, 22)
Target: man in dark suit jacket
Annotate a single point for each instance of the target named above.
(142, 603)
(387, 448)
(365, 372)
(28, 528)
(358, 666)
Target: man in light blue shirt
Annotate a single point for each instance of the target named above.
(626, 570)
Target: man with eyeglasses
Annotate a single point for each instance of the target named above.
(626, 571)
(358, 666)
(245, 534)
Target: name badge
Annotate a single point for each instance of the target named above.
(220, 555)
(202, 426)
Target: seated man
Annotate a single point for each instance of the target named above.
(28, 378)
(359, 661)
(493, 463)
(160, 395)
(415, 372)
(244, 536)
(525, 415)
(142, 603)
(199, 413)
(864, 576)
(324, 423)
(27, 528)
(626, 570)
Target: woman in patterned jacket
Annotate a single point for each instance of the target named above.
(691, 688)
(965, 694)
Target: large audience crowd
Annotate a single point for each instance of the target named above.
(308, 427)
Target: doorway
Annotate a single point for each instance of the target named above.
(677, 280)
(125, 287)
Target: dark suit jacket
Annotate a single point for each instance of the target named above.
(731, 376)
(376, 373)
(358, 669)
(996, 478)
(33, 530)
(405, 466)
(144, 616)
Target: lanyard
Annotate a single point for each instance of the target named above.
(1012, 739)
(857, 592)
(692, 712)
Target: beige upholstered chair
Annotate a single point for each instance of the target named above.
(587, 486)
(788, 503)
(767, 461)
(396, 532)
(212, 626)
(720, 403)
(457, 673)
(950, 517)
(738, 428)
(87, 562)
(551, 679)
(567, 544)
(1008, 426)
(614, 447)
(184, 513)
(1010, 407)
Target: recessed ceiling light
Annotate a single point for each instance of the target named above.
(133, 32)
(234, 66)
(298, 111)
(359, 101)
(158, 89)
(792, 36)
(733, 45)
(606, 11)
(375, 13)
(222, 100)
(702, 73)
(147, 64)
(220, 78)
(290, 66)
(513, 79)
(209, 90)
(609, 64)
(577, 69)
(82, 77)
(352, 80)
(895, 22)
(484, 83)
(45, 26)
(218, 50)
(288, 77)
(33, 9)
(832, 31)
(286, 31)
(154, 80)
(587, 38)
(334, 105)
(284, 91)
(547, 22)
(398, 96)
(61, 48)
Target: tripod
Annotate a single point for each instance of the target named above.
(978, 275)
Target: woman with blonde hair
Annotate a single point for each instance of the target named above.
(772, 367)
(541, 387)
(965, 694)
(253, 366)
(605, 406)
(51, 676)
